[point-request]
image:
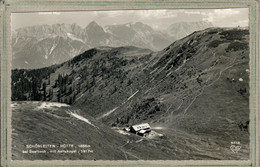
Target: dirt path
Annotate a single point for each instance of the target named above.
(202, 89)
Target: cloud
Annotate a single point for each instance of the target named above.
(226, 12)
(108, 14)
(140, 14)
(144, 14)
(157, 18)
(242, 23)
(217, 14)
(43, 13)
(192, 12)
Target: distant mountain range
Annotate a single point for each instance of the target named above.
(182, 29)
(45, 45)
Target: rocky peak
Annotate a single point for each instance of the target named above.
(142, 26)
(93, 25)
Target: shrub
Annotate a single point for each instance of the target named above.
(213, 32)
(235, 46)
(214, 43)
(235, 34)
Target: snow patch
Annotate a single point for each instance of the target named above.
(169, 73)
(128, 25)
(80, 96)
(106, 29)
(122, 132)
(138, 141)
(132, 95)
(81, 118)
(153, 135)
(13, 105)
(154, 70)
(104, 48)
(109, 112)
(184, 62)
(45, 105)
(52, 48)
(107, 41)
(16, 41)
(158, 127)
(73, 37)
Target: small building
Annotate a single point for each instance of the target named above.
(140, 129)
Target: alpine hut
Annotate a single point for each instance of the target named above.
(140, 129)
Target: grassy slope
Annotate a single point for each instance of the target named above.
(55, 126)
(203, 97)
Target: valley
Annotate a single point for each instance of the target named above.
(195, 93)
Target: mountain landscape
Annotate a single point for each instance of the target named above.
(45, 45)
(194, 93)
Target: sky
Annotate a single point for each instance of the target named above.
(158, 19)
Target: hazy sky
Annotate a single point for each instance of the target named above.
(158, 19)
